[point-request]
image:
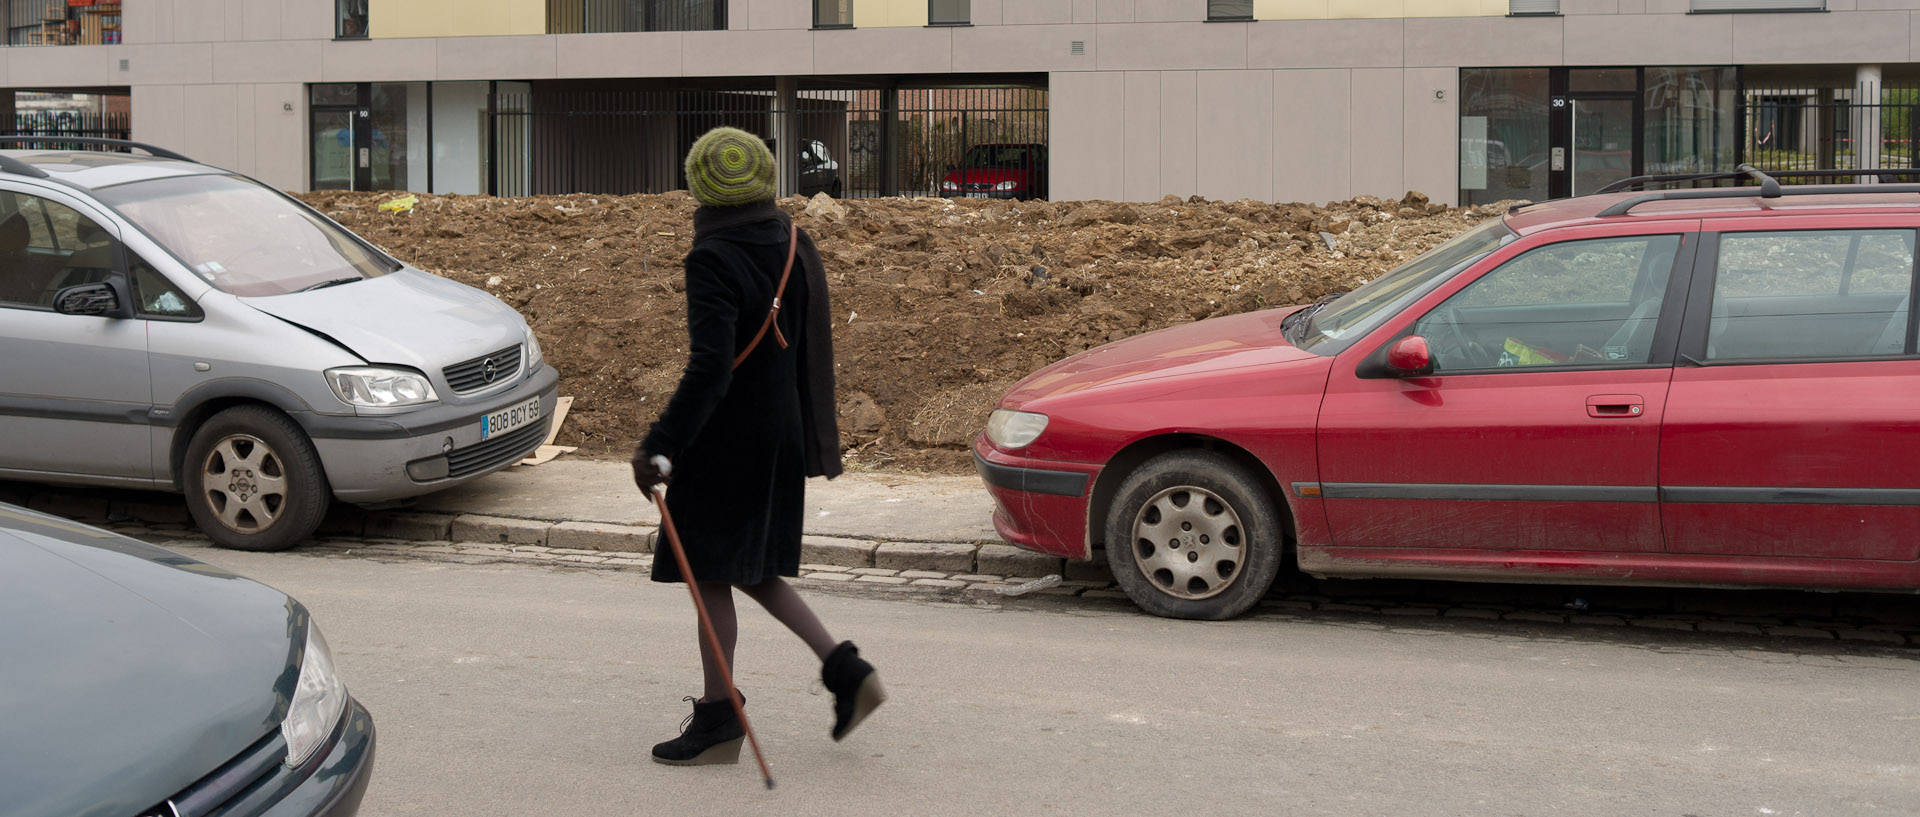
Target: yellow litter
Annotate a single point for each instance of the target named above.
(404, 204)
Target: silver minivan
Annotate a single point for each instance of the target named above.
(169, 325)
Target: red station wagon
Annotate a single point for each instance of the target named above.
(1711, 387)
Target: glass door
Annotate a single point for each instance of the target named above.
(333, 149)
(1603, 143)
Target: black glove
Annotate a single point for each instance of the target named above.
(646, 472)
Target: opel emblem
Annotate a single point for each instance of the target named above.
(488, 371)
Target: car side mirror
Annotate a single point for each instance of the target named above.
(87, 299)
(1409, 356)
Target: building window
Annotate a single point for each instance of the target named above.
(1504, 134)
(949, 12)
(350, 19)
(1522, 8)
(1757, 5)
(603, 16)
(1229, 9)
(833, 13)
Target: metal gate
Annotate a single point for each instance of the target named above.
(1836, 127)
(888, 139)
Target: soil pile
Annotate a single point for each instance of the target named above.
(940, 305)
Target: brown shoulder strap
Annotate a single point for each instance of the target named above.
(793, 249)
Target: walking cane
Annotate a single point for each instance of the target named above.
(706, 625)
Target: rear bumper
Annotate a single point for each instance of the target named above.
(1039, 505)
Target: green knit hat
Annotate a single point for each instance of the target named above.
(729, 167)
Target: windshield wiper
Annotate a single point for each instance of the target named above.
(1304, 318)
(333, 283)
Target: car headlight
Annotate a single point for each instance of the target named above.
(1007, 185)
(380, 388)
(949, 185)
(1014, 429)
(318, 699)
(534, 355)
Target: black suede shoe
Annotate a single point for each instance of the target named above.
(855, 687)
(711, 735)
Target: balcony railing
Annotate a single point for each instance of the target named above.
(604, 16)
(62, 22)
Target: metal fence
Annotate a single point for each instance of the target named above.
(602, 16)
(57, 123)
(1837, 127)
(859, 142)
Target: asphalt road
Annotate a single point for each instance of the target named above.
(526, 689)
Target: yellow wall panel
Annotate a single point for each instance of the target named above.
(889, 13)
(1443, 8)
(1352, 9)
(455, 18)
(1374, 9)
(1290, 9)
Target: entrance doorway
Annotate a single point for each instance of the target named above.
(1546, 133)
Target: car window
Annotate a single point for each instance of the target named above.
(155, 296)
(1356, 313)
(46, 246)
(243, 237)
(1811, 294)
(1592, 302)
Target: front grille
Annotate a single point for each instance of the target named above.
(227, 782)
(486, 455)
(977, 186)
(483, 371)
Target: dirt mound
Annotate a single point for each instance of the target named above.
(940, 305)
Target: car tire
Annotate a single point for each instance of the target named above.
(253, 480)
(1192, 534)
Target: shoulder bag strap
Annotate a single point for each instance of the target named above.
(793, 249)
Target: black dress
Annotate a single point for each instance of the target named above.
(743, 441)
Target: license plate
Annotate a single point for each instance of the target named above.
(976, 195)
(509, 418)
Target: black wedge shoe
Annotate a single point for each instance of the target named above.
(711, 735)
(855, 687)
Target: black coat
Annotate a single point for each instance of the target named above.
(744, 441)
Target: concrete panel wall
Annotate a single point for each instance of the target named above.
(1430, 158)
(1236, 115)
(1179, 133)
(1089, 112)
(1379, 105)
(1140, 171)
(1312, 135)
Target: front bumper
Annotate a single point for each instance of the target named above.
(336, 787)
(383, 458)
(984, 194)
(1039, 505)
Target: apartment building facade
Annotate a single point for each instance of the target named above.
(1277, 100)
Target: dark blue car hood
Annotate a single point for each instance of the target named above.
(128, 671)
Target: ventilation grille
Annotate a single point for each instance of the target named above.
(484, 371)
(1079, 48)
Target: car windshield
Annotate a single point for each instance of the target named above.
(998, 156)
(1346, 319)
(244, 237)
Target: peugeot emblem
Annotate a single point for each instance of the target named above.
(488, 371)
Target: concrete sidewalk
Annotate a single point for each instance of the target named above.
(870, 519)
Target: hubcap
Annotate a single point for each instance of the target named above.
(245, 483)
(1188, 542)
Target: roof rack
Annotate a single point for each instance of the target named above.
(156, 152)
(1641, 181)
(1769, 187)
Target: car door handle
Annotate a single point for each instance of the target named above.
(1609, 406)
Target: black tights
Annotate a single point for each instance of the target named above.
(780, 601)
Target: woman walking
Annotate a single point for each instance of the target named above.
(752, 418)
